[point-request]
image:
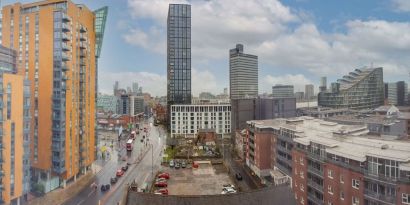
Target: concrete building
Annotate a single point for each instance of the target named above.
(299, 96)
(323, 84)
(107, 103)
(361, 89)
(321, 112)
(397, 93)
(179, 54)
(331, 163)
(282, 91)
(206, 95)
(62, 42)
(137, 105)
(243, 73)
(187, 120)
(309, 91)
(14, 130)
(259, 109)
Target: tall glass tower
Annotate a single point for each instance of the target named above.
(179, 54)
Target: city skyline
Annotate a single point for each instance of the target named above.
(334, 29)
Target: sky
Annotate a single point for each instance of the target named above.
(297, 41)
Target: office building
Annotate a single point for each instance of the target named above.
(187, 120)
(124, 104)
(282, 91)
(58, 44)
(299, 96)
(206, 95)
(116, 88)
(179, 54)
(14, 130)
(243, 73)
(107, 103)
(137, 105)
(397, 93)
(361, 89)
(135, 88)
(258, 108)
(309, 91)
(331, 163)
(323, 84)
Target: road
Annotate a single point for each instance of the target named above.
(141, 158)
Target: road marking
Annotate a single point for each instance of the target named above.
(92, 192)
(80, 202)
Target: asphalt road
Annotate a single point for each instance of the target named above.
(140, 170)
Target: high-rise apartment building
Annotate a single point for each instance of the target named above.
(361, 89)
(243, 73)
(14, 130)
(283, 91)
(179, 54)
(309, 91)
(397, 93)
(323, 84)
(58, 44)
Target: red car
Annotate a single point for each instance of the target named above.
(119, 173)
(161, 184)
(162, 191)
(164, 175)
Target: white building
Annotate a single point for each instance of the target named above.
(186, 120)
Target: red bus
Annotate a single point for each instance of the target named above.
(130, 144)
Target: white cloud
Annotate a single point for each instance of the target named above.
(299, 81)
(150, 40)
(401, 5)
(204, 81)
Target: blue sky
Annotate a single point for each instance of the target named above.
(297, 41)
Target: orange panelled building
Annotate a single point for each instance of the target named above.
(58, 44)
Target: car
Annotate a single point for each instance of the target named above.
(228, 186)
(113, 180)
(238, 176)
(177, 165)
(163, 175)
(171, 163)
(160, 180)
(161, 184)
(228, 190)
(105, 187)
(124, 168)
(119, 173)
(162, 191)
(183, 164)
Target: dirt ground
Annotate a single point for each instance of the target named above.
(205, 180)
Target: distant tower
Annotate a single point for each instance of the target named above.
(323, 84)
(116, 87)
(135, 88)
(225, 91)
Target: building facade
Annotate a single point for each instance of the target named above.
(179, 54)
(309, 91)
(14, 130)
(137, 106)
(187, 120)
(397, 93)
(61, 42)
(107, 103)
(243, 73)
(323, 84)
(361, 89)
(282, 91)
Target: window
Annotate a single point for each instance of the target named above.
(302, 188)
(355, 183)
(330, 173)
(342, 195)
(355, 200)
(302, 175)
(329, 203)
(330, 189)
(302, 201)
(405, 198)
(342, 179)
(296, 171)
(301, 161)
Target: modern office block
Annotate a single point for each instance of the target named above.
(107, 103)
(58, 44)
(179, 54)
(243, 73)
(323, 84)
(309, 91)
(361, 89)
(137, 105)
(282, 91)
(397, 93)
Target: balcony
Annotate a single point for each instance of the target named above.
(64, 68)
(65, 27)
(65, 57)
(65, 37)
(64, 78)
(315, 186)
(82, 62)
(82, 54)
(285, 139)
(83, 38)
(64, 87)
(379, 197)
(65, 47)
(82, 45)
(283, 149)
(83, 29)
(284, 159)
(65, 17)
(313, 199)
(315, 171)
(380, 177)
(345, 165)
(316, 157)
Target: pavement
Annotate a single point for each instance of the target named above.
(142, 158)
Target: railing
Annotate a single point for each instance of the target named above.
(284, 159)
(283, 149)
(315, 171)
(380, 177)
(316, 157)
(315, 185)
(314, 199)
(65, 27)
(380, 196)
(344, 165)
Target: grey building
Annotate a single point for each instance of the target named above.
(309, 91)
(124, 104)
(137, 106)
(282, 91)
(246, 109)
(360, 89)
(323, 84)
(107, 103)
(397, 93)
(299, 96)
(179, 54)
(243, 73)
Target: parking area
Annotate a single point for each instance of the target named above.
(207, 179)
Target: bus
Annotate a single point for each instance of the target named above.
(133, 135)
(130, 144)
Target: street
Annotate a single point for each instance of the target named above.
(141, 159)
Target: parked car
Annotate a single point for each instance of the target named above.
(228, 190)
(183, 164)
(161, 184)
(164, 175)
(119, 173)
(113, 180)
(171, 163)
(105, 187)
(124, 168)
(228, 186)
(177, 165)
(238, 176)
(162, 191)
